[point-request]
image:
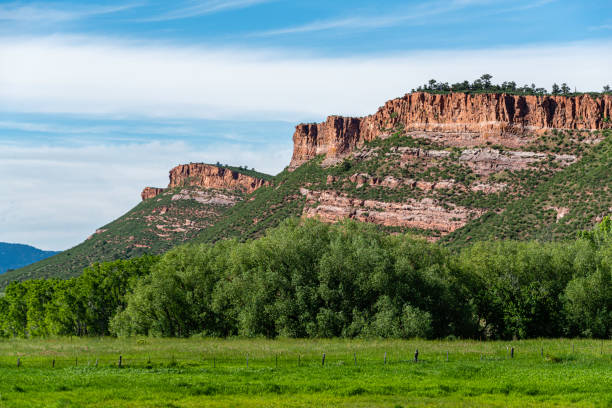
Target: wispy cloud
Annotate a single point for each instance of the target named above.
(199, 8)
(58, 75)
(416, 14)
(54, 13)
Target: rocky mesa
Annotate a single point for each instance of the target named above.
(206, 176)
(455, 119)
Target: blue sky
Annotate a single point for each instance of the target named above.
(99, 99)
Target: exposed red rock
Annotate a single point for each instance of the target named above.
(424, 214)
(455, 119)
(206, 176)
(150, 192)
(209, 176)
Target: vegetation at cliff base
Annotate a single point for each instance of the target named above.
(312, 279)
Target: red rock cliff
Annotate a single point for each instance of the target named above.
(150, 192)
(207, 176)
(457, 119)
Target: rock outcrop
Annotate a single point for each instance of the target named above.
(150, 192)
(456, 119)
(207, 176)
(426, 214)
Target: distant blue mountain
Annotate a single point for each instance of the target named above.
(13, 256)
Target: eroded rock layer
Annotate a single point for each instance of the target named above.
(457, 119)
(206, 176)
(424, 214)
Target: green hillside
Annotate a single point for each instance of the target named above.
(583, 189)
(526, 208)
(267, 206)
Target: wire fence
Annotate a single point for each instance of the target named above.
(292, 360)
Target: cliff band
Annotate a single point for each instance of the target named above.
(457, 119)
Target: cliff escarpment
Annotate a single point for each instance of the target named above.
(206, 176)
(455, 119)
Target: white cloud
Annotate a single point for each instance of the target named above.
(54, 197)
(88, 76)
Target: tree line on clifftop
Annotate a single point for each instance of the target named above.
(306, 278)
(484, 85)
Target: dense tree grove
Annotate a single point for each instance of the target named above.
(311, 279)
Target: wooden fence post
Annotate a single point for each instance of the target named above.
(323, 360)
(276, 362)
(355, 358)
(512, 352)
(247, 358)
(120, 358)
(96, 363)
(385, 358)
(18, 362)
(53, 364)
(416, 356)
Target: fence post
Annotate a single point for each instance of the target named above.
(53, 364)
(542, 352)
(416, 356)
(276, 362)
(323, 360)
(247, 358)
(447, 356)
(355, 357)
(385, 358)
(76, 361)
(512, 352)
(120, 358)
(18, 362)
(96, 363)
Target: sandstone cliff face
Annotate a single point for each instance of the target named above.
(207, 176)
(456, 120)
(150, 192)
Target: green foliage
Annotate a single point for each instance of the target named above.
(311, 279)
(79, 306)
(484, 85)
(305, 279)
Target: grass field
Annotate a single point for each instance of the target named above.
(290, 373)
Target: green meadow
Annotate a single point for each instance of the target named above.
(196, 372)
